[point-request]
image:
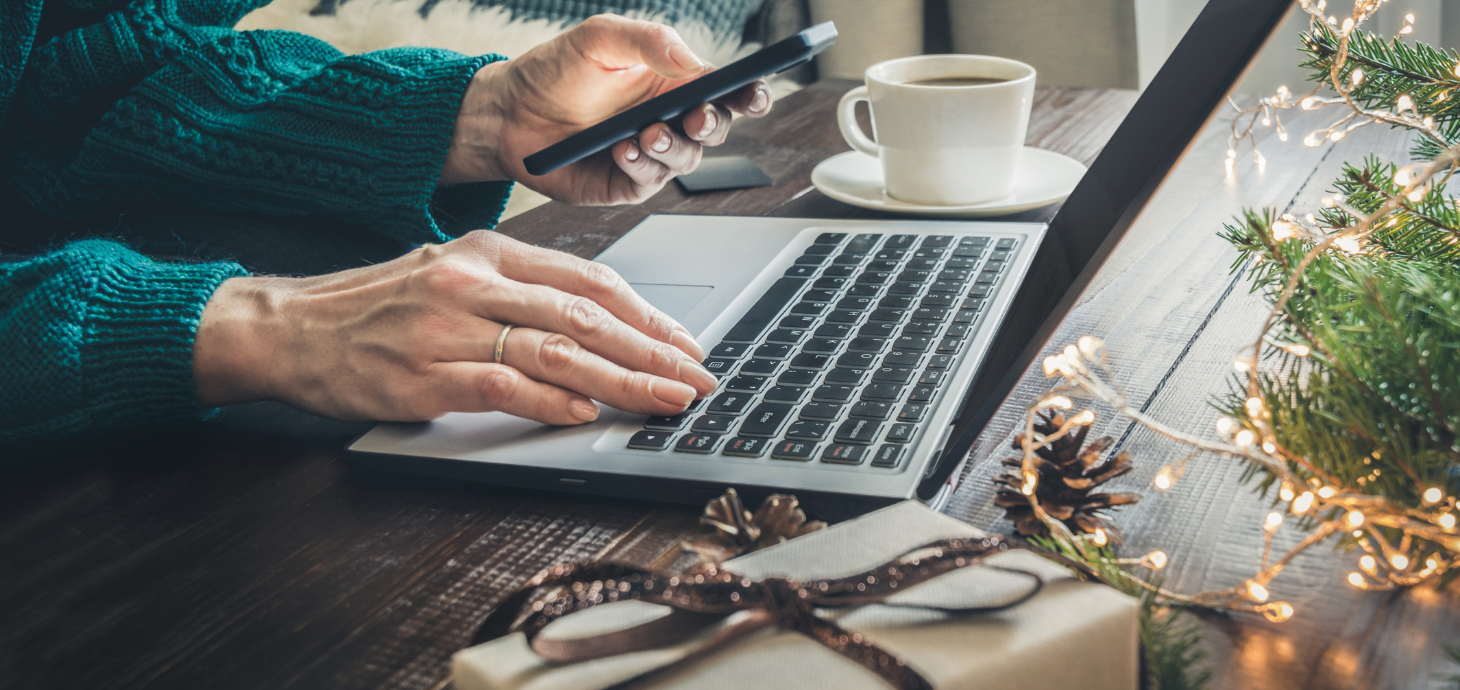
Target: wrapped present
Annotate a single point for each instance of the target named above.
(902, 597)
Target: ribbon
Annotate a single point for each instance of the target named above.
(708, 593)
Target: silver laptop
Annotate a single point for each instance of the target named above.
(857, 360)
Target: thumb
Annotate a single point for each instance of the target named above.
(619, 43)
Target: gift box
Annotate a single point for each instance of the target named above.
(1069, 633)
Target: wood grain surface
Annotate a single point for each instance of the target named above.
(242, 554)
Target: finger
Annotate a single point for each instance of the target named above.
(525, 263)
(677, 152)
(595, 328)
(476, 387)
(754, 100)
(708, 124)
(642, 175)
(556, 359)
(620, 43)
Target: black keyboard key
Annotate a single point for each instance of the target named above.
(719, 366)
(864, 243)
(973, 242)
(800, 379)
(940, 361)
(930, 313)
(811, 361)
(797, 323)
(931, 377)
(845, 377)
(967, 252)
(812, 308)
(959, 262)
(946, 286)
(839, 272)
(914, 343)
(882, 265)
(835, 331)
(958, 331)
(800, 271)
(808, 430)
(902, 302)
(729, 403)
(937, 241)
(730, 350)
(833, 393)
(930, 253)
(882, 391)
(938, 300)
(849, 259)
(1006, 243)
(824, 346)
(743, 447)
(787, 394)
(906, 289)
(760, 316)
(884, 331)
(650, 440)
(712, 424)
(886, 315)
(830, 238)
(988, 277)
(998, 257)
(773, 351)
(844, 316)
(915, 329)
(887, 456)
(857, 360)
(871, 409)
(858, 431)
(890, 254)
(898, 375)
(829, 283)
(955, 275)
(855, 303)
(922, 394)
(922, 264)
(901, 433)
(874, 277)
(901, 241)
(919, 277)
(844, 454)
(790, 336)
(666, 423)
(801, 451)
(912, 412)
(965, 316)
(820, 250)
(812, 260)
(822, 411)
(974, 303)
(766, 419)
(863, 291)
(760, 367)
(745, 384)
(981, 291)
(861, 344)
(902, 358)
(818, 295)
(703, 444)
(949, 346)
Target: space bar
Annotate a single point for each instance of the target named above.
(765, 310)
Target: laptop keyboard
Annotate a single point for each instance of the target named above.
(840, 359)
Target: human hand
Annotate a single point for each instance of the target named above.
(599, 68)
(414, 339)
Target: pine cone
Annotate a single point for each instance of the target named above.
(1067, 475)
(734, 531)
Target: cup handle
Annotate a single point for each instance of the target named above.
(846, 119)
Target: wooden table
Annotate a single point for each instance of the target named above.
(242, 554)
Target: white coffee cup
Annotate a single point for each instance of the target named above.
(943, 145)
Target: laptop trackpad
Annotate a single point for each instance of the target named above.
(675, 300)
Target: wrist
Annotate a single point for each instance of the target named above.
(233, 356)
(476, 138)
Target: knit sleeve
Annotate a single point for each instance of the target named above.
(97, 336)
(152, 106)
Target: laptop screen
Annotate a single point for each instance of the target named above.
(1180, 100)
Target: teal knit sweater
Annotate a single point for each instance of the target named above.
(108, 105)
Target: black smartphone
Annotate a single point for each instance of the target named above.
(777, 57)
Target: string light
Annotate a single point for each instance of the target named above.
(1433, 495)
(1354, 518)
(1084, 418)
(1447, 521)
(1356, 580)
(1399, 561)
(1274, 521)
(1357, 76)
(1155, 560)
(1031, 480)
(1100, 539)
(1163, 478)
(1327, 492)
(1256, 592)
(1368, 563)
(1302, 503)
(1286, 492)
(1277, 612)
(1244, 437)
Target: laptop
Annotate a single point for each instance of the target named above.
(858, 360)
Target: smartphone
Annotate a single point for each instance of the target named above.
(777, 57)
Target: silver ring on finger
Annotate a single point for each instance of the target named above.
(501, 342)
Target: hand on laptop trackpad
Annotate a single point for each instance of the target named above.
(675, 300)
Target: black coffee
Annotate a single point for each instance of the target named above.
(956, 81)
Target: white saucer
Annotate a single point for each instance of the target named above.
(1044, 178)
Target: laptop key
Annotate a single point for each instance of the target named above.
(864, 344)
(883, 331)
(773, 351)
(973, 241)
(833, 393)
(839, 271)
(1006, 243)
(856, 360)
(849, 259)
(811, 260)
(745, 384)
(844, 316)
(729, 403)
(914, 276)
(811, 361)
(855, 303)
(938, 300)
(900, 302)
(968, 252)
(999, 257)
(801, 451)
(858, 431)
(965, 316)
(766, 419)
(800, 271)
(981, 291)
(844, 454)
(940, 361)
(957, 275)
(949, 346)
(891, 254)
(902, 358)
(874, 277)
(836, 331)
(743, 447)
(808, 430)
(905, 289)
(822, 346)
(930, 314)
(902, 241)
(800, 379)
(912, 412)
(788, 394)
(812, 308)
(974, 303)
(864, 242)
(898, 375)
(815, 295)
(845, 377)
(901, 433)
(871, 409)
(882, 391)
(921, 264)
(920, 328)
(830, 238)
(922, 394)
(702, 444)
(930, 253)
(760, 367)
(957, 330)
(946, 286)
(712, 424)
(730, 350)
(719, 366)
(914, 343)
(937, 241)
(821, 249)
(863, 291)
(887, 315)
(988, 277)
(798, 322)
(822, 411)
(887, 456)
(931, 377)
(961, 262)
(650, 440)
(764, 311)
(882, 265)
(829, 283)
(790, 336)
(666, 422)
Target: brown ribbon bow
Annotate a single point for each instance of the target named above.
(709, 593)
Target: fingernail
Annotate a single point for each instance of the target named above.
(698, 376)
(686, 344)
(662, 143)
(685, 57)
(672, 392)
(710, 121)
(761, 100)
(632, 153)
(583, 409)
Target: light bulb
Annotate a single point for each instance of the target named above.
(1433, 495)
(1354, 519)
(1349, 243)
(1244, 437)
(1256, 592)
(1254, 406)
(1357, 76)
(1266, 121)
(1269, 447)
(1312, 102)
(1409, 18)
(1231, 152)
(1282, 135)
(1298, 349)
(1348, 25)
(1356, 580)
(1274, 521)
(1447, 521)
(1282, 230)
(1061, 402)
(1051, 365)
(1315, 138)
(1156, 560)
(1302, 503)
(1286, 493)
(1100, 538)
(1416, 195)
(1163, 480)
(1368, 563)
(1399, 561)
(1031, 480)
(1403, 103)
(1086, 417)
(1225, 425)
(1278, 612)
(1090, 347)
(1327, 492)
(1072, 353)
